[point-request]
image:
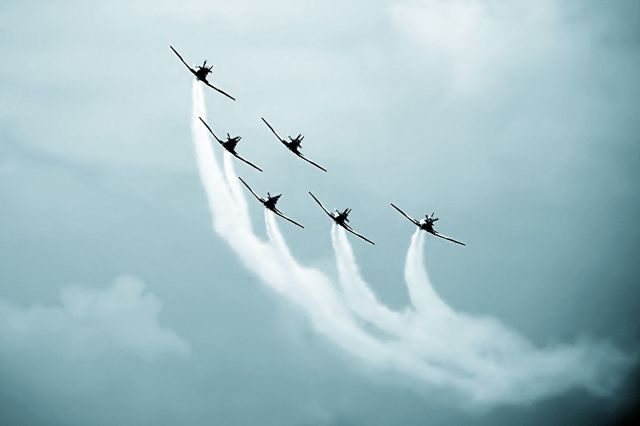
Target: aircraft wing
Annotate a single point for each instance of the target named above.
(185, 64)
(221, 91)
(279, 213)
(272, 130)
(415, 222)
(248, 162)
(350, 229)
(320, 204)
(210, 131)
(249, 188)
(309, 161)
(437, 234)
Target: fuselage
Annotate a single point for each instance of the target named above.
(270, 203)
(230, 145)
(426, 225)
(340, 217)
(201, 73)
(293, 146)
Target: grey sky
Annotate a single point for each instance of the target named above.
(516, 122)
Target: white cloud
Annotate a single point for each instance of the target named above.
(481, 41)
(121, 317)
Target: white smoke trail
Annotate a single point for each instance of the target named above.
(236, 190)
(477, 358)
(358, 295)
(271, 261)
(482, 350)
(422, 295)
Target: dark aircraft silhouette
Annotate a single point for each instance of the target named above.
(426, 224)
(294, 145)
(341, 218)
(230, 145)
(270, 203)
(201, 72)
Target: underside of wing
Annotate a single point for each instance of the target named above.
(353, 231)
(220, 91)
(183, 61)
(437, 234)
(249, 188)
(273, 131)
(321, 205)
(309, 161)
(279, 213)
(415, 222)
(210, 131)
(248, 162)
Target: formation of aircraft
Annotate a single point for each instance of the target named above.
(201, 72)
(230, 144)
(270, 203)
(340, 218)
(293, 144)
(426, 224)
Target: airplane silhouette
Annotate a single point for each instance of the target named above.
(201, 72)
(426, 224)
(230, 145)
(293, 144)
(341, 218)
(270, 203)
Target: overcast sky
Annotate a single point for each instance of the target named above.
(516, 122)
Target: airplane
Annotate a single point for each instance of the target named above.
(294, 145)
(270, 203)
(201, 72)
(230, 145)
(426, 224)
(341, 218)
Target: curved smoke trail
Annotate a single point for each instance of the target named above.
(479, 359)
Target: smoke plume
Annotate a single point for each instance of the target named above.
(478, 359)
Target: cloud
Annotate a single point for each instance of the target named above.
(87, 322)
(481, 41)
